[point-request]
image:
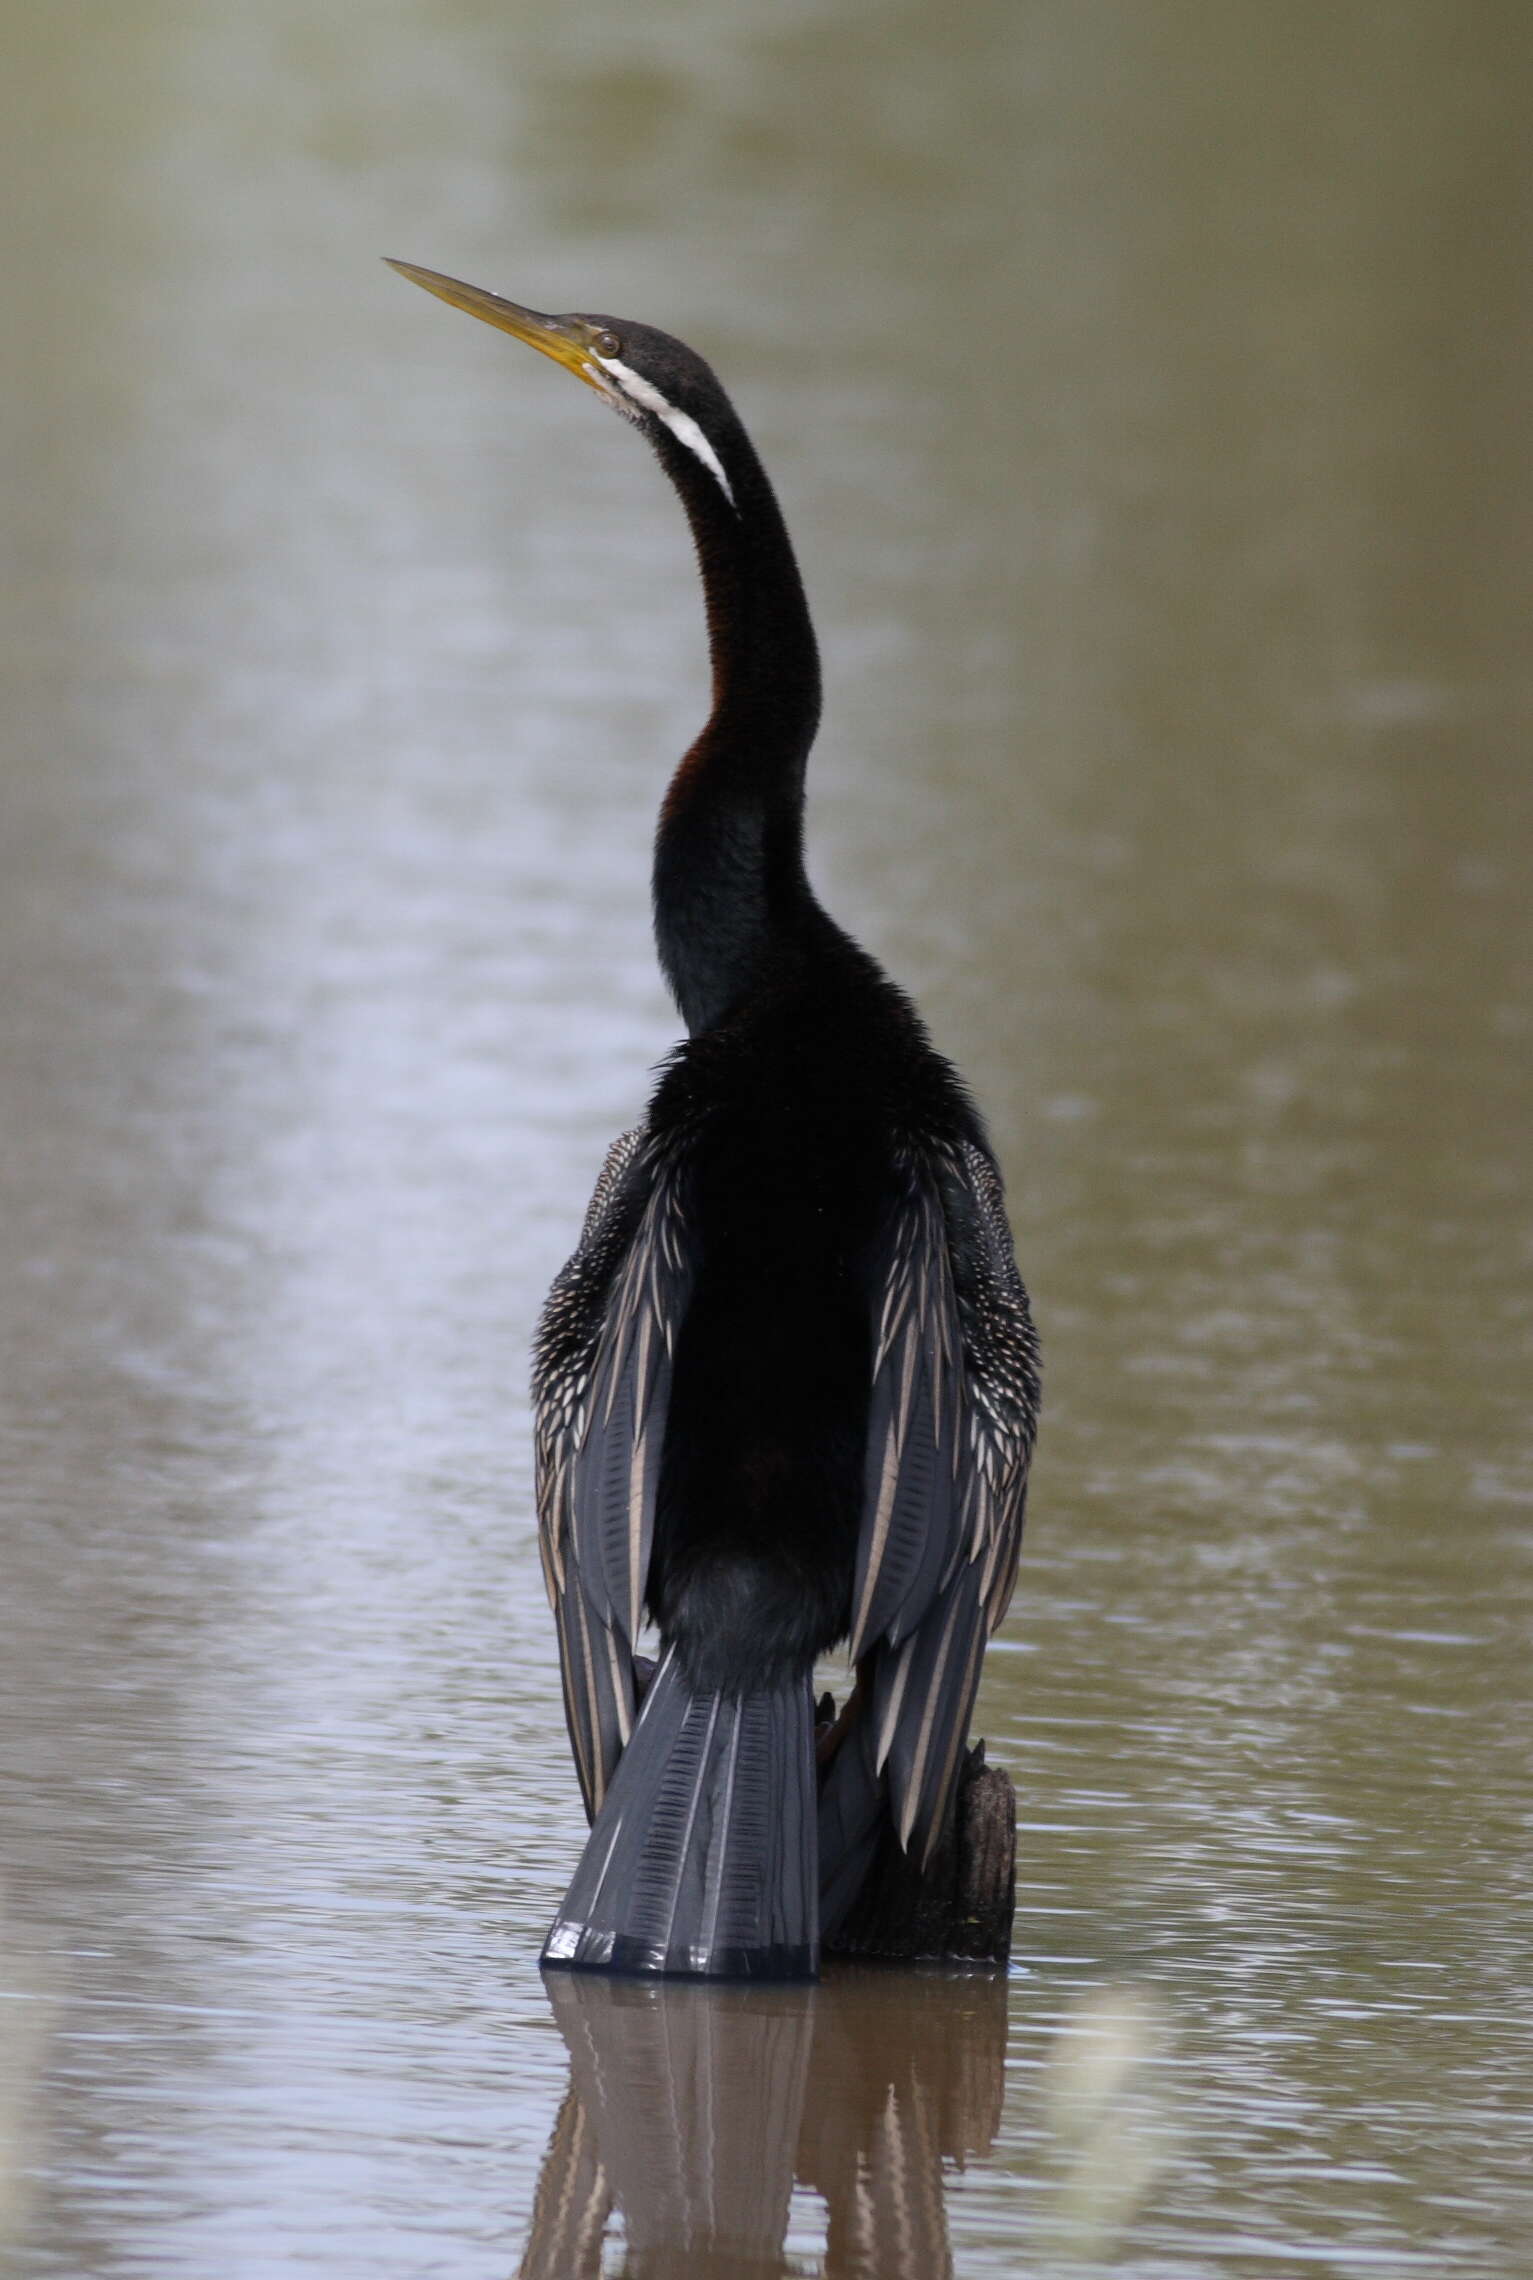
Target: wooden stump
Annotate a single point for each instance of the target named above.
(960, 1909)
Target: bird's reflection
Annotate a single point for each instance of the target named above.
(692, 2111)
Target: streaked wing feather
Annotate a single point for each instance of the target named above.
(951, 1421)
(601, 1378)
(908, 1536)
(616, 1468)
(923, 1697)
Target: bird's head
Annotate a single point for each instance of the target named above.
(658, 383)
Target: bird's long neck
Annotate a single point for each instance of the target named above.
(729, 884)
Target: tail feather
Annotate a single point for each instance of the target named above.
(702, 1861)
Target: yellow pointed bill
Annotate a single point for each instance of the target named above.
(566, 339)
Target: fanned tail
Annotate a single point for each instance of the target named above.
(702, 1862)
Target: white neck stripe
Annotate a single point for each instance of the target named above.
(681, 424)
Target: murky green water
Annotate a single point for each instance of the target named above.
(1148, 390)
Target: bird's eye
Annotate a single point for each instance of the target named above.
(607, 344)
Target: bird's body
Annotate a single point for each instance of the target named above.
(786, 1387)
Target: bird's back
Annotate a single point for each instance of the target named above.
(789, 1120)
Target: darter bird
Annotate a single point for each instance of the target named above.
(786, 1388)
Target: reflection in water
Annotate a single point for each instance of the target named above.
(1104, 2102)
(692, 2110)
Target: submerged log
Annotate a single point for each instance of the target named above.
(960, 1908)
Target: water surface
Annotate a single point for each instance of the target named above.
(1147, 390)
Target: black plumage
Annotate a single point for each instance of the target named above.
(787, 1386)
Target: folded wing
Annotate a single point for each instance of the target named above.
(952, 1417)
(601, 1380)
